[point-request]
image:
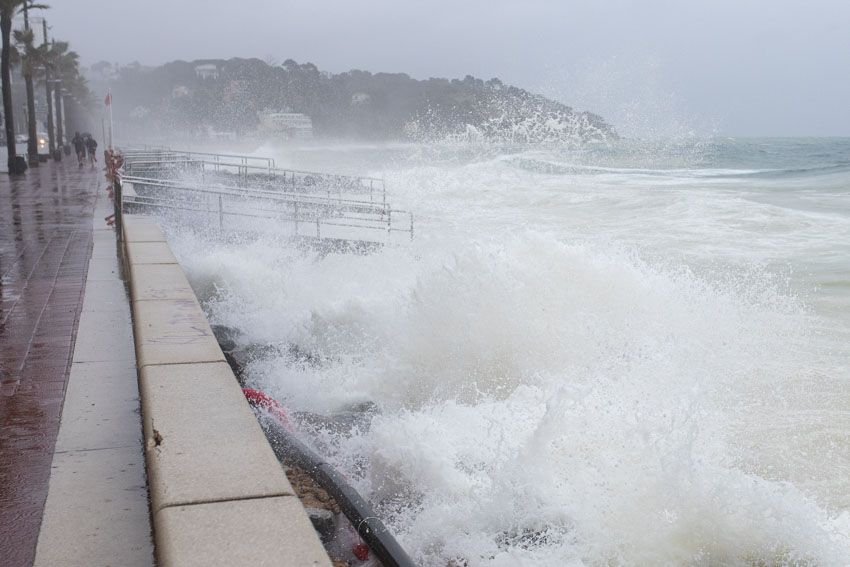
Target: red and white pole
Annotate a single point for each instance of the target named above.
(108, 102)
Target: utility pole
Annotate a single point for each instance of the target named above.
(32, 135)
(52, 143)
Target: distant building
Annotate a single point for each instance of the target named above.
(286, 124)
(358, 99)
(179, 91)
(207, 71)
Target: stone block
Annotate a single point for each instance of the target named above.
(202, 440)
(160, 281)
(173, 331)
(149, 253)
(139, 228)
(259, 532)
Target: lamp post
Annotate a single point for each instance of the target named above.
(57, 104)
(60, 112)
(47, 81)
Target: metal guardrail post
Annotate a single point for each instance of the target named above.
(220, 214)
(118, 208)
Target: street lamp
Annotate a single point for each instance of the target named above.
(49, 122)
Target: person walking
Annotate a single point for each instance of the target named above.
(91, 148)
(79, 147)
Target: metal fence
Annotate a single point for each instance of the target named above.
(228, 191)
(247, 171)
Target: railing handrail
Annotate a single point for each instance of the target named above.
(130, 160)
(270, 163)
(382, 220)
(241, 192)
(263, 183)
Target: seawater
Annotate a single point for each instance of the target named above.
(625, 354)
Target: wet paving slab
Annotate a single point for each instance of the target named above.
(45, 246)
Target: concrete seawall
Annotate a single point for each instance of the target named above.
(218, 494)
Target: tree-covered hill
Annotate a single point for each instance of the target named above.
(228, 95)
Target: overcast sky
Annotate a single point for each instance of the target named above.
(666, 67)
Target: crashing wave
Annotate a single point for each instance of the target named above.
(507, 115)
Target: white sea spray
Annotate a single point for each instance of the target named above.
(570, 369)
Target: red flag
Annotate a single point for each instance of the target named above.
(108, 100)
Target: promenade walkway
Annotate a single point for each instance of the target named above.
(66, 352)
(45, 242)
(73, 484)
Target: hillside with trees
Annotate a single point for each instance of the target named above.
(204, 96)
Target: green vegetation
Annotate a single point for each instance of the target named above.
(227, 96)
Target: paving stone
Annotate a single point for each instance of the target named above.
(101, 408)
(93, 516)
(103, 269)
(105, 295)
(104, 335)
(45, 239)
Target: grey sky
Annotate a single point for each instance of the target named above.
(735, 67)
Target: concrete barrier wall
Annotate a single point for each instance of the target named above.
(218, 494)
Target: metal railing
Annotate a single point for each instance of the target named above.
(241, 174)
(214, 191)
(223, 159)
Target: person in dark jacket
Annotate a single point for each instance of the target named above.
(91, 148)
(79, 147)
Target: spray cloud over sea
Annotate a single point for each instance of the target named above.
(623, 354)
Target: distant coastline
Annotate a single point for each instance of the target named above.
(237, 97)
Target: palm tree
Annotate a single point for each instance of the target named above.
(7, 12)
(64, 67)
(8, 9)
(47, 58)
(25, 39)
(67, 69)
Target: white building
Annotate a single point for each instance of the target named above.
(207, 71)
(287, 124)
(358, 99)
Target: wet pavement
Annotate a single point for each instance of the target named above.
(45, 245)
